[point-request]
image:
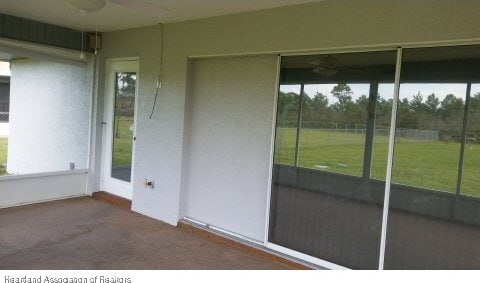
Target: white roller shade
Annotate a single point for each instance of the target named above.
(229, 132)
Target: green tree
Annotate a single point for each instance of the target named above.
(287, 109)
(451, 105)
(406, 115)
(124, 98)
(321, 108)
(432, 103)
(308, 113)
(475, 101)
(343, 93)
(474, 117)
(320, 101)
(358, 112)
(383, 112)
(417, 103)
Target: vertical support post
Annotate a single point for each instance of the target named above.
(299, 124)
(270, 218)
(92, 127)
(463, 141)
(391, 143)
(370, 131)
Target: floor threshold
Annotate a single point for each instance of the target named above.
(246, 246)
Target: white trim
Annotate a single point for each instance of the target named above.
(347, 49)
(44, 174)
(248, 242)
(391, 143)
(305, 257)
(272, 151)
(441, 43)
(108, 183)
(122, 59)
(92, 127)
(195, 221)
(358, 49)
(42, 201)
(383, 47)
(38, 51)
(245, 238)
(223, 231)
(135, 124)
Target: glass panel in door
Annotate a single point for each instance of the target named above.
(434, 214)
(123, 126)
(327, 197)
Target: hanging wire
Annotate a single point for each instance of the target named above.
(155, 100)
(160, 74)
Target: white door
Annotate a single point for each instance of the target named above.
(119, 127)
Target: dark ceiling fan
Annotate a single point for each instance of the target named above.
(327, 66)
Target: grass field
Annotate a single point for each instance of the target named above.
(426, 164)
(122, 143)
(3, 154)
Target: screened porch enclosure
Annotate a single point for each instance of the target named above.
(332, 158)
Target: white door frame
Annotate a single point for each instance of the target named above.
(109, 184)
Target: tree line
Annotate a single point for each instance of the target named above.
(421, 112)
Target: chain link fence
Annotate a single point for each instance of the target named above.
(4, 116)
(347, 130)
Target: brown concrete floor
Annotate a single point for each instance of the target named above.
(83, 233)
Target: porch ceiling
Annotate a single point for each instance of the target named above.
(115, 17)
(84, 233)
(5, 56)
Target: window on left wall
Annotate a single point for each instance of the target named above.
(44, 117)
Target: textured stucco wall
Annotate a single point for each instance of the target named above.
(335, 24)
(150, 160)
(49, 117)
(229, 127)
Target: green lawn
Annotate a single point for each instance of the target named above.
(122, 143)
(426, 164)
(3, 154)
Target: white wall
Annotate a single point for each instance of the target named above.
(34, 188)
(335, 24)
(150, 161)
(230, 125)
(49, 116)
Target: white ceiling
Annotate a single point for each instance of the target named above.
(116, 17)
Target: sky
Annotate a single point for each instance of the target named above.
(4, 69)
(386, 90)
